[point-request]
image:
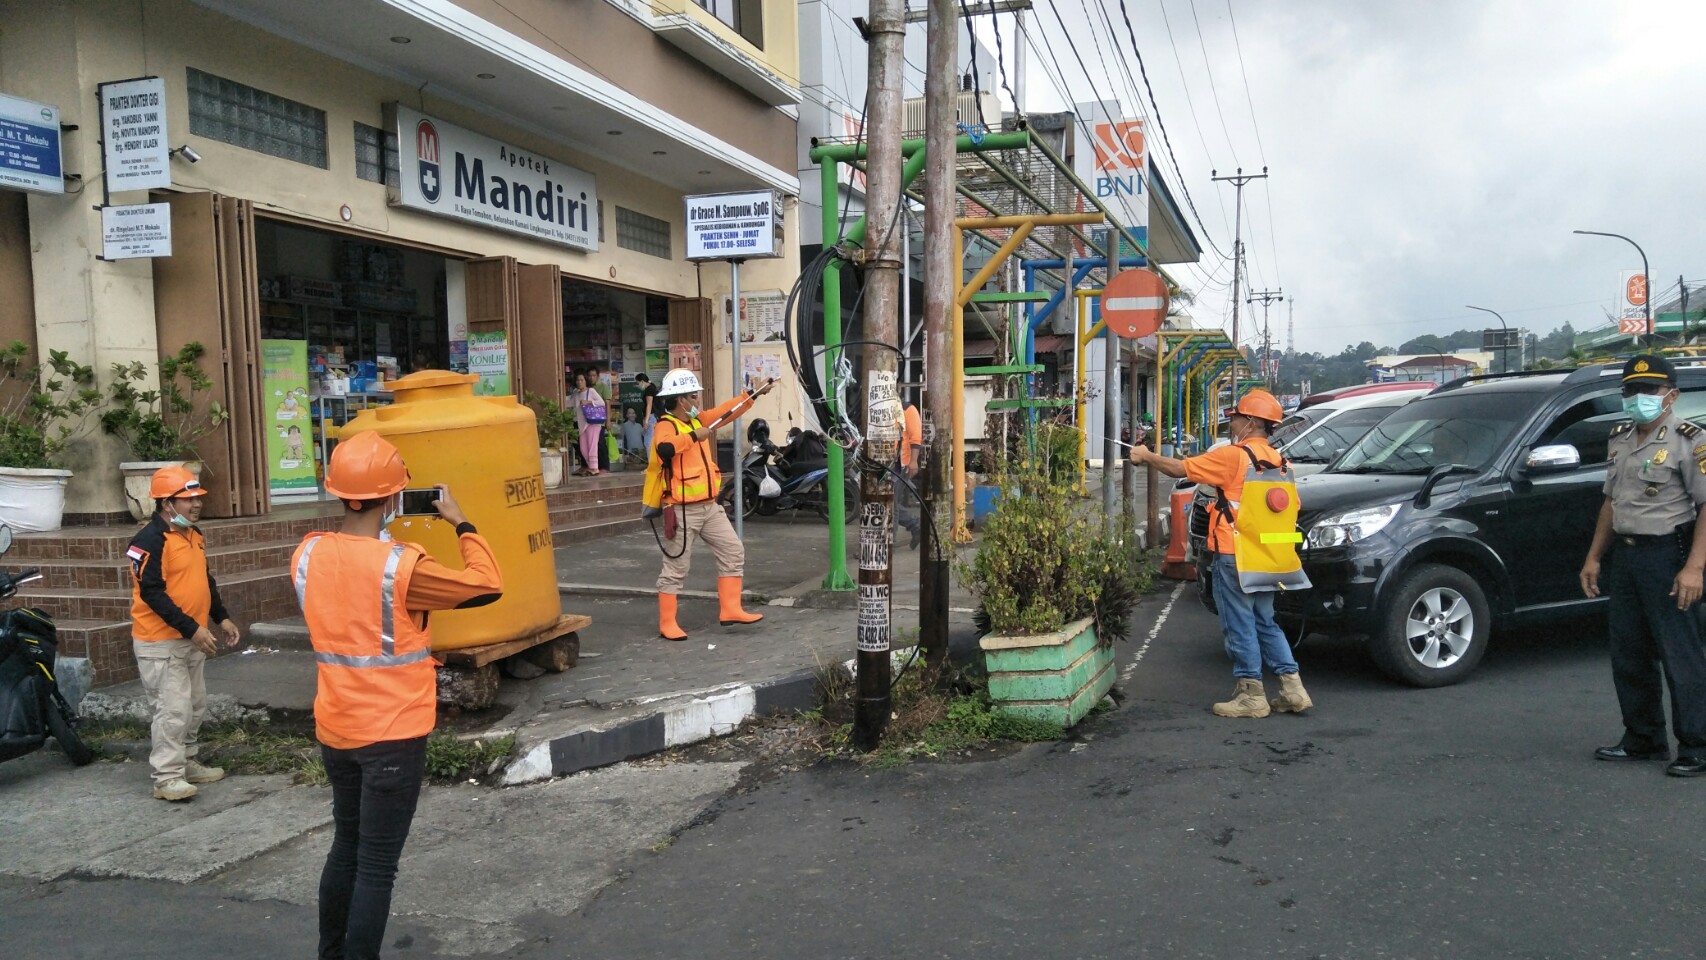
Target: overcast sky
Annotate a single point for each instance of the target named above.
(1423, 155)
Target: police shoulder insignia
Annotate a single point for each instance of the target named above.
(1623, 428)
(1689, 430)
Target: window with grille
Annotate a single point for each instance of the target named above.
(375, 154)
(642, 234)
(242, 116)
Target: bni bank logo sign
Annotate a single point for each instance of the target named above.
(426, 159)
(1119, 158)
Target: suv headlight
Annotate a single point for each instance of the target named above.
(1351, 527)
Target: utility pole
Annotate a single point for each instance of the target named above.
(1114, 245)
(1266, 297)
(1237, 179)
(941, 283)
(882, 391)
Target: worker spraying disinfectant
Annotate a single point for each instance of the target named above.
(682, 482)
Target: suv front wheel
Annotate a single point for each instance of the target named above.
(1435, 632)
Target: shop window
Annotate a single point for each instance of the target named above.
(642, 234)
(375, 154)
(242, 116)
(745, 17)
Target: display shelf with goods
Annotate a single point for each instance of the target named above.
(335, 410)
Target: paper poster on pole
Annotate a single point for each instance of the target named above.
(134, 140)
(284, 388)
(488, 357)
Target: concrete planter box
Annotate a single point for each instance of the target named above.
(1057, 676)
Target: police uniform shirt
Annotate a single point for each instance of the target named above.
(1658, 484)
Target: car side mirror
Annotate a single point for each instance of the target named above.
(1552, 458)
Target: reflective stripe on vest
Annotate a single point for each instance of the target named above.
(679, 488)
(387, 614)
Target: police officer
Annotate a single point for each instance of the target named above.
(1655, 502)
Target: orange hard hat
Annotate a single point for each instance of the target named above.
(366, 467)
(169, 483)
(1261, 405)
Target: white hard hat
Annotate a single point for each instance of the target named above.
(678, 381)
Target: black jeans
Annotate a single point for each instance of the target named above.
(374, 789)
(1654, 644)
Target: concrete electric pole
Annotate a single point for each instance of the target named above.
(1266, 297)
(941, 283)
(882, 387)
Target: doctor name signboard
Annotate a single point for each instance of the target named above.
(449, 171)
(734, 226)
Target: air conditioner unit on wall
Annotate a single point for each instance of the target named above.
(965, 109)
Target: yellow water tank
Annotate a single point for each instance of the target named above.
(486, 450)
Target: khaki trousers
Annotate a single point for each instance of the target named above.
(172, 674)
(704, 521)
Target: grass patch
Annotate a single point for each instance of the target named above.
(102, 733)
(928, 720)
(260, 748)
(451, 758)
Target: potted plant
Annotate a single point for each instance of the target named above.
(161, 425)
(43, 408)
(1054, 593)
(556, 425)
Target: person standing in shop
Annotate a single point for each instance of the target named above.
(591, 412)
(366, 601)
(686, 458)
(173, 600)
(650, 410)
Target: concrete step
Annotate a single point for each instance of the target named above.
(224, 561)
(110, 542)
(109, 605)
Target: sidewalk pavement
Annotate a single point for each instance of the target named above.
(631, 693)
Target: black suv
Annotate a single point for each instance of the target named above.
(1470, 508)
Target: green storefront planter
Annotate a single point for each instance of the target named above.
(1057, 676)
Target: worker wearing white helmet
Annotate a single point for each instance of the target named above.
(686, 465)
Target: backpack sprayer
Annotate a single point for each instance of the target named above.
(657, 482)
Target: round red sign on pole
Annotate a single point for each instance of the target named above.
(1134, 303)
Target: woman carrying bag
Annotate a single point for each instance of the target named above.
(590, 414)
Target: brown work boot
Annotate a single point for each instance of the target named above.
(1292, 697)
(176, 788)
(1248, 700)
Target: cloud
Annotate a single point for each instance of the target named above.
(1425, 156)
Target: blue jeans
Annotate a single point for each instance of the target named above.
(1252, 637)
(651, 424)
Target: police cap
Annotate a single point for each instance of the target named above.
(1647, 368)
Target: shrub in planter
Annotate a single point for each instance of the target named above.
(556, 426)
(161, 426)
(1053, 594)
(44, 407)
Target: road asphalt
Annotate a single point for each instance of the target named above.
(1468, 821)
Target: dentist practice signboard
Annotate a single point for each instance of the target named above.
(452, 172)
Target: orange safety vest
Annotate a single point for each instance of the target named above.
(693, 475)
(375, 662)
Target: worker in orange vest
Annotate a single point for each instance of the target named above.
(173, 602)
(366, 600)
(689, 467)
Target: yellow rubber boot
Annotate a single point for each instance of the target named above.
(728, 600)
(667, 627)
(1292, 697)
(1248, 700)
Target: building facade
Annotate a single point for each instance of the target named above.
(398, 185)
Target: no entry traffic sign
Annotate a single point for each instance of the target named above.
(1134, 303)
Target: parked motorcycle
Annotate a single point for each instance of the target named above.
(31, 706)
(791, 477)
